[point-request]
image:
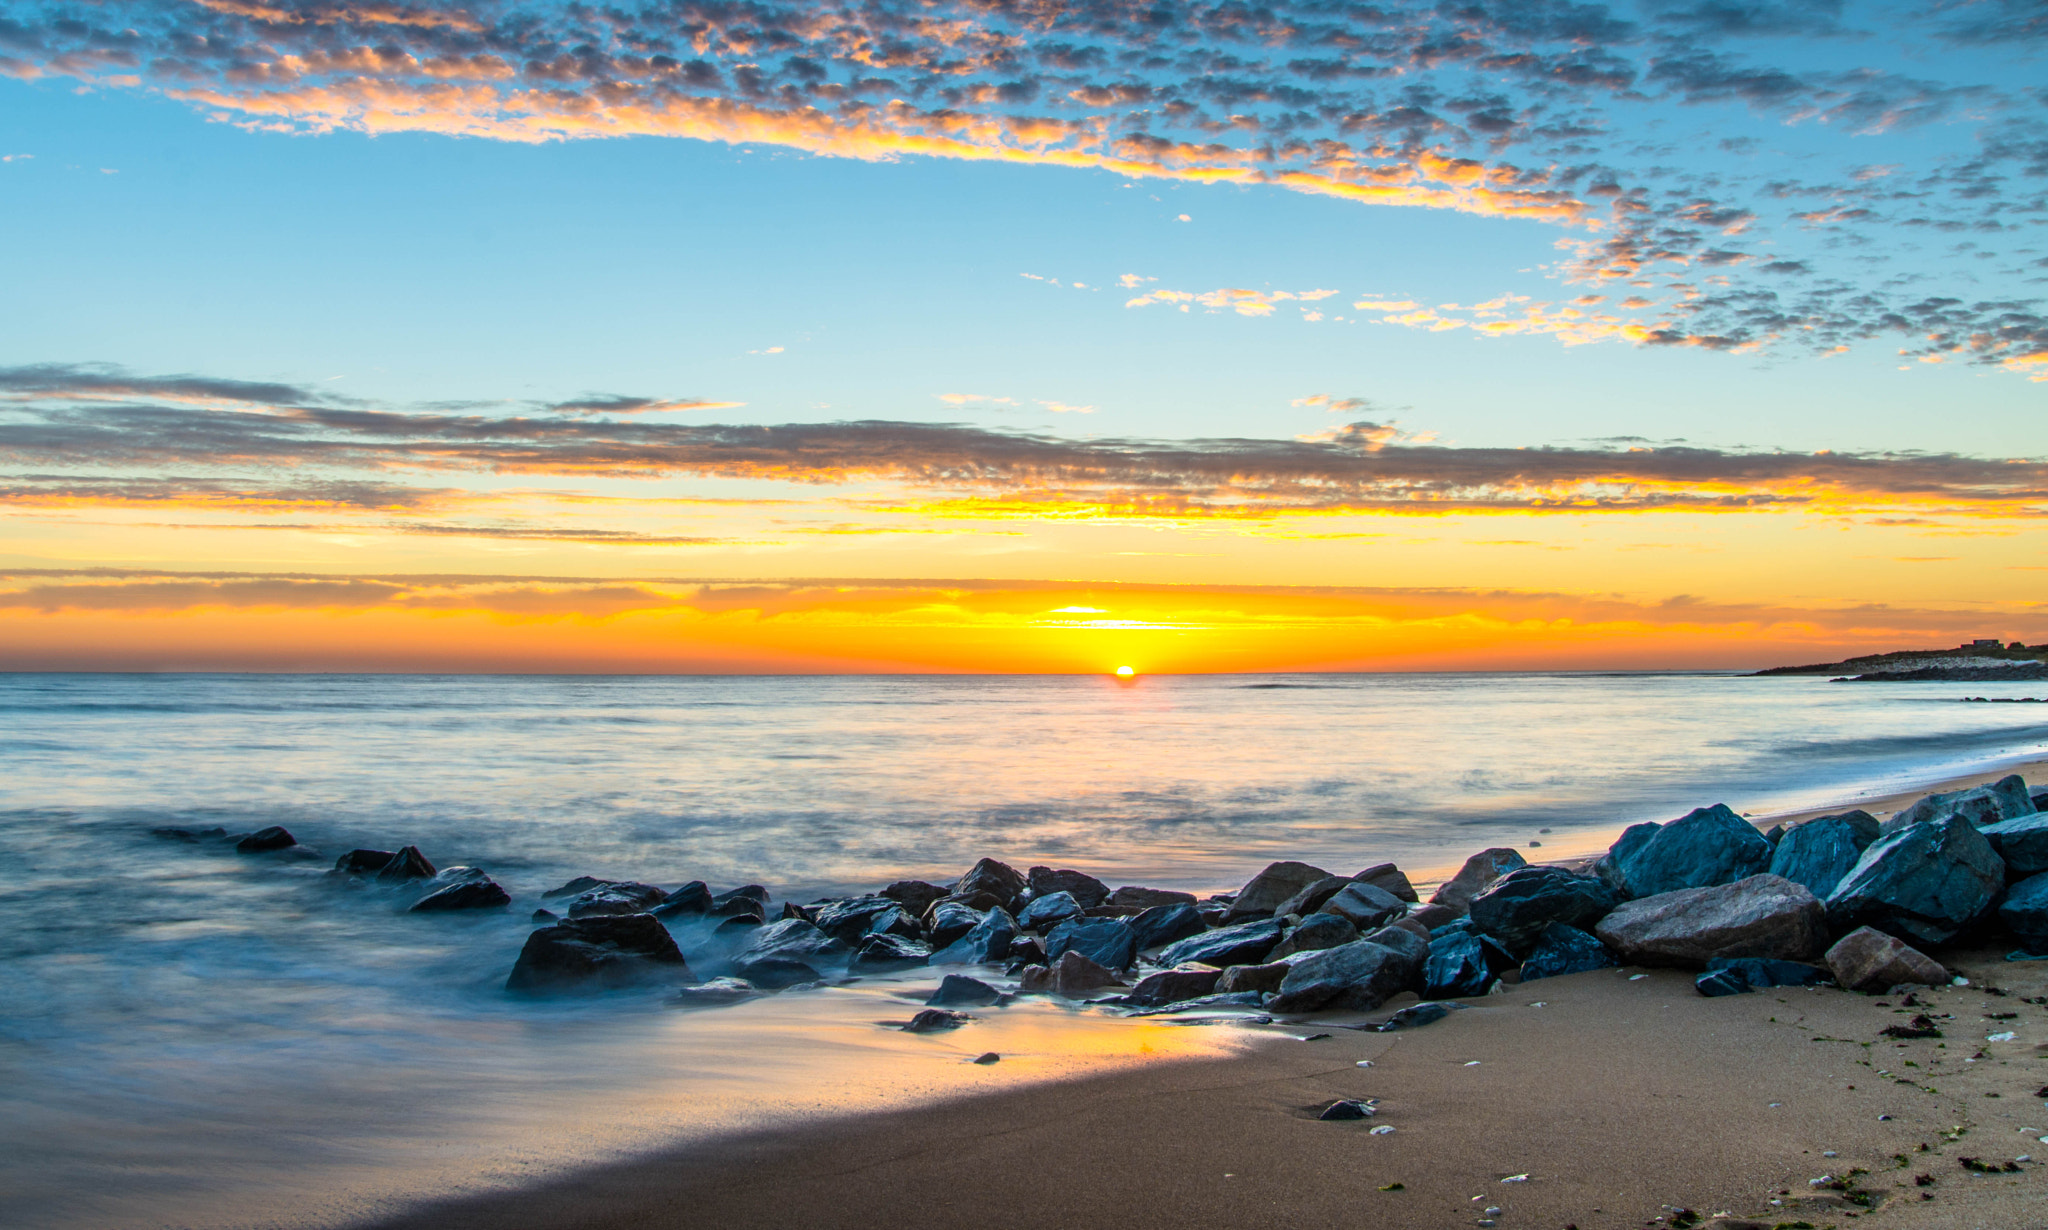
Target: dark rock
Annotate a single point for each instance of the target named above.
(1316, 931)
(1172, 985)
(1364, 906)
(716, 992)
(545, 916)
(2025, 912)
(691, 899)
(736, 924)
(2005, 799)
(1244, 944)
(791, 909)
(957, 990)
(1412, 926)
(1206, 1003)
(852, 918)
(1457, 968)
(1388, 879)
(1034, 979)
(799, 940)
(1311, 897)
(1409, 942)
(465, 888)
(581, 884)
(1026, 948)
(1762, 972)
(1085, 889)
(934, 1020)
(2022, 843)
(1563, 949)
(1106, 941)
(987, 1057)
(1213, 911)
(980, 903)
(1045, 913)
(1132, 897)
(774, 972)
(1627, 846)
(739, 907)
(1716, 983)
(1345, 1110)
(596, 953)
(1268, 889)
(1867, 959)
(363, 862)
(1862, 825)
(1074, 974)
(988, 941)
(882, 953)
(998, 880)
(1707, 846)
(1761, 916)
(189, 836)
(915, 896)
(1923, 883)
(1414, 1016)
(620, 898)
(1263, 979)
(750, 892)
(1517, 907)
(1479, 871)
(406, 865)
(1359, 976)
(263, 841)
(949, 921)
(1434, 916)
(1817, 854)
(1159, 925)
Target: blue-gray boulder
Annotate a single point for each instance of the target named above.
(1457, 967)
(882, 953)
(1704, 847)
(850, 919)
(2022, 842)
(1045, 913)
(1761, 972)
(1160, 925)
(1106, 941)
(1244, 944)
(949, 921)
(1081, 886)
(1316, 931)
(1632, 839)
(1359, 976)
(1517, 907)
(988, 941)
(691, 899)
(2025, 912)
(1479, 871)
(960, 991)
(1817, 854)
(798, 940)
(773, 972)
(1364, 906)
(462, 888)
(596, 953)
(2004, 799)
(1564, 949)
(1266, 891)
(1922, 884)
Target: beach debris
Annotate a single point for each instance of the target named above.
(1980, 1166)
(1924, 882)
(1921, 1026)
(715, 992)
(1349, 1108)
(1393, 1187)
(2005, 1036)
(1757, 916)
(1417, 1015)
(1364, 1063)
(462, 888)
(1517, 907)
(596, 953)
(1867, 959)
(986, 1057)
(266, 841)
(1637, 977)
(958, 990)
(1384, 1129)
(1478, 872)
(1516, 1178)
(1564, 949)
(1472, 1063)
(934, 1020)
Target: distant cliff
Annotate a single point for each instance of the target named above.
(1967, 663)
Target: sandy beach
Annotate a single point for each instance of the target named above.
(1613, 1098)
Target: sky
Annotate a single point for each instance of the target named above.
(1031, 336)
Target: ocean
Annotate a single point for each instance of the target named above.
(194, 1037)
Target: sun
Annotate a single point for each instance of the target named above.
(1125, 672)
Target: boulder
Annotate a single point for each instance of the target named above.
(791, 909)
(581, 884)
(773, 971)
(1716, 983)
(408, 864)
(1359, 977)
(1479, 871)
(264, 841)
(189, 836)
(915, 896)
(1761, 916)
(1388, 879)
(1173, 985)
(715, 992)
(990, 878)
(1159, 925)
(622, 898)
(1074, 974)
(1564, 949)
(733, 926)
(538, 917)
(935, 1020)
(362, 862)
(2005, 799)
(1364, 906)
(746, 892)
(849, 919)
(1085, 889)
(1704, 847)
(882, 953)
(1817, 854)
(1034, 979)
(2021, 843)
(949, 921)
(1311, 897)
(960, 991)
(1924, 883)
(1244, 944)
(1632, 840)
(739, 907)
(462, 888)
(1107, 942)
(2025, 912)
(596, 953)
(1862, 825)
(1517, 907)
(1457, 968)
(798, 940)
(1316, 931)
(1407, 941)
(1867, 959)
(1759, 973)
(1045, 913)
(1263, 979)
(988, 941)
(691, 899)
(1433, 916)
(1267, 890)
(1131, 897)
(1025, 950)
(1414, 1016)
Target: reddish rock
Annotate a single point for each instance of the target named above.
(1760, 916)
(1867, 959)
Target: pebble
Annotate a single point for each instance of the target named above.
(1637, 977)
(989, 1057)
(1365, 1063)
(1516, 1178)
(1384, 1129)
(2007, 1036)
(1473, 1064)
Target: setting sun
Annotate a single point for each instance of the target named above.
(1125, 672)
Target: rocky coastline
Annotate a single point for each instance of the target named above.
(1976, 663)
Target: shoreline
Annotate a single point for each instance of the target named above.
(1623, 1094)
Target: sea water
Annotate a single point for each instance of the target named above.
(189, 1036)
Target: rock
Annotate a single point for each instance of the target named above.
(948, 921)
(406, 865)
(581, 884)
(1404, 940)
(1412, 926)
(998, 880)
(773, 971)
(2005, 799)
(1246, 999)
(1268, 889)
(264, 841)
(1045, 913)
(733, 926)
(1359, 976)
(189, 836)
(1033, 979)
(462, 888)
(596, 953)
(797, 940)
(1311, 898)
(1517, 907)
(958, 990)
(1086, 890)
(1214, 910)
(1479, 871)
(1433, 916)
(791, 909)
(915, 896)
(1707, 846)
(934, 1020)
(1159, 925)
(987, 1057)
(691, 899)
(1388, 879)
(1817, 854)
(1762, 916)
(544, 916)
(1345, 1110)
(1264, 979)
(2025, 912)
(1026, 949)
(1364, 906)
(1130, 897)
(1244, 944)
(1716, 983)
(1457, 968)
(1867, 959)
(980, 903)
(2021, 843)
(882, 953)
(1564, 949)
(622, 898)
(738, 907)
(1415, 1016)
(716, 992)
(988, 941)
(1316, 931)
(362, 862)
(1862, 825)
(1171, 985)
(1923, 883)
(1074, 974)
(850, 919)
(1632, 840)
(1762, 972)
(1106, 941)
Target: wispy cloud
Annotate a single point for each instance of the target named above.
(1243, 302)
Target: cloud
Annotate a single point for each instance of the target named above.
(609, 404)
(1243, 302)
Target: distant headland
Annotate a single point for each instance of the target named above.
(1983, 660)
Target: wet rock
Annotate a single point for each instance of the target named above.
(462, 888)
(618, 898)
(597, 953)
(1862, 825)
(935, 1020)
(1160, 925)
(1131, 897)
(405, 866)
(882, 953)
(960, 991)
(1028, 949)
(990, 878)
(1924, 883)
(1214, 910)
(773, 971)
(1170, 985)
(1705, 847)
(581, 884)
(1412, 926)
(362, 862)
(1244, 944)
(544, 916)
(264, 841)
(1762, 972)
(1627, 846)
(1564, 949)
(2025, 912)
(1346, 1110)
(734, 926)
(2005, 799)
(1517, 907)
(1716, 983)
(1316, 931)
(1867, 959)
(739, 907)
(987, 1057)
(1817, 854)
(1267, 890)
(1035, 979)
(1311, 898)
(715, 993)
(1087, 891)
(988, 941)
(2021, 843)
(1761, 916)
(949, 921)
(1364, 906)
(1410, 943)
(1359, 976)
(791, 909)
(689, 901)
(1433, 916)
(798, 940)
(850, 919)
(915, 896)
(1045, 913)
(1389, 879)
(1263, 979)
(1479, 871)
(1106, 941)
(1456, 968)
(1074, 974)
(1414, 1016)
(189, 836)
